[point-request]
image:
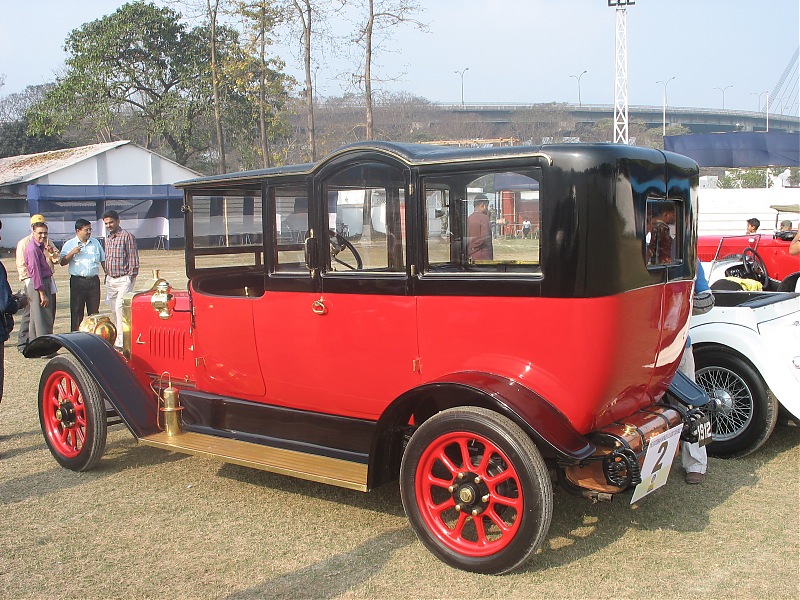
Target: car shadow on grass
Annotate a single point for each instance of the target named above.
(325, 579)
(119, 456)
(579, 528)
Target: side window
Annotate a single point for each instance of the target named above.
(366, 219)
(226, 220)
(291, 227)
(663, 225)
(226, 229)
(486, 221)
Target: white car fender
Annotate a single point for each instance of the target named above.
(775, 357)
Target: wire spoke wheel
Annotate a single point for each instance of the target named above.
(742, 411)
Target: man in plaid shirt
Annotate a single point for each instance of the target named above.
(122, 266)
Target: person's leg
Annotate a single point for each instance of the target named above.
(116, 288)
(24, 315)
(693, 458)
(93, 297)
(75, 304)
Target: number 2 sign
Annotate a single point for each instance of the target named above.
(657, 462)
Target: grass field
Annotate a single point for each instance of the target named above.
(151, 524)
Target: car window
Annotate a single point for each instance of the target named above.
(227, 221)
(291, 227)
(484, 221)
(662, 241)
(366, 219)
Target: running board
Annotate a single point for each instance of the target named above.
(333, 471)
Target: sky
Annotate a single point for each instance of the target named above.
(515, 51)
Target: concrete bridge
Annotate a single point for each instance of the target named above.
(697, 120)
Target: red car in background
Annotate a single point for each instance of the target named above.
(761, 256)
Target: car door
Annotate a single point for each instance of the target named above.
(341, 338)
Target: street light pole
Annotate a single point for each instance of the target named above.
(665, 84)
(722, 89)
(766, 105)
(462, 82)
(578, 78)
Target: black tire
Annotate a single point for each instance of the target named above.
(72, 414)
(743, 412)
(511, 488)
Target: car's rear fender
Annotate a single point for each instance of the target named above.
(134, 403)
(544, 423)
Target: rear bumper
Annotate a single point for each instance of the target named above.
(616, 463)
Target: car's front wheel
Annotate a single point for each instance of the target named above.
(743, 412)
(476, 490)
(72, 414)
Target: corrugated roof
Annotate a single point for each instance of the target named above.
(28, 167)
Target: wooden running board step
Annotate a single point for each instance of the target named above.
(322, 469)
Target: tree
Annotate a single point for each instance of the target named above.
(14, 137)
(139, 64)
(382, 16)
(260, 17)
(745, 178)
(305, 15)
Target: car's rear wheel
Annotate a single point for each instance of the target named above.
(476, 490)
(72, 414)
(743, 412)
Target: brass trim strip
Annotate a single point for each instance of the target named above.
(321, 469)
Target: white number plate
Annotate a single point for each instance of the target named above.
(657, 462)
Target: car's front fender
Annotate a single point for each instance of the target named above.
(133, 402)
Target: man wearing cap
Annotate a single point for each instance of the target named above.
(22, 270)
(122, 266)
(479, 230)
(84, 256)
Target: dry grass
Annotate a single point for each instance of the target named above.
(150, 524)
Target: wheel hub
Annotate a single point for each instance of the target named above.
(65, 414)
(723, 401)
(470, 493)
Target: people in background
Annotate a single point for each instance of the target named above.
(10, 303)
(479, 231)
(786, 225)
(753, 225)
(40, 288)
(526, 228)
(22, 271)
(794, 247)
(84, 256)
(694, 458)
(122, 266)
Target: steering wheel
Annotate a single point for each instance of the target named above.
(754, 267)
(341, 245)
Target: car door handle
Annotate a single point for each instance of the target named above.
(318, 307)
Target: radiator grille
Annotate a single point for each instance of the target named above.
(167, 343)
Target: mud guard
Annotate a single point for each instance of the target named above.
(542, 421)
(687, 392)
(133, 402)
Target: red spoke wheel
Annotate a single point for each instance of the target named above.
(72, 414)
(476, 490)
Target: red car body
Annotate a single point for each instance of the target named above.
(468, 378)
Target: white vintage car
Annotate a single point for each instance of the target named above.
(747, 355)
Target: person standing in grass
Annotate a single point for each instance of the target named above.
(84, 255)
(10, 303)
(122, 266)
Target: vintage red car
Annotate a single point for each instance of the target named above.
(351, 322)
(763, 257)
